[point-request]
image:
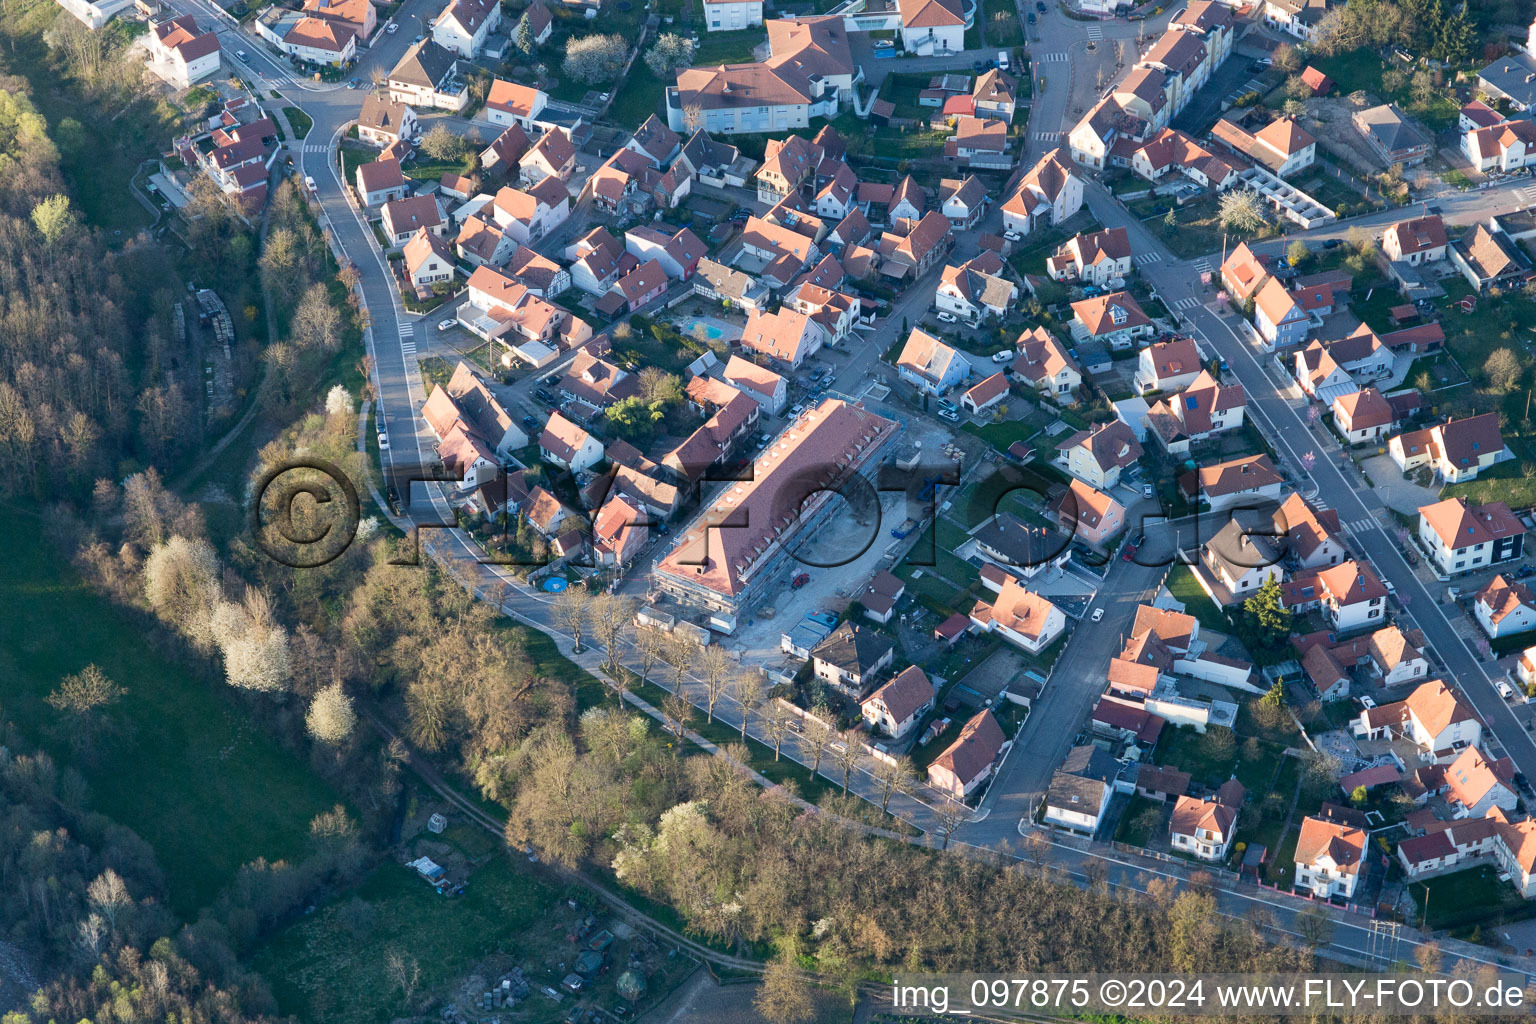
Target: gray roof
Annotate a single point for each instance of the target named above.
(1020, 544)
(1391, 129)
(854, 649)
(426, 64)
(1080, 782)
(1513, 76)
(1241, 545)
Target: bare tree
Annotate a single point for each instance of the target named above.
(83, 698)
(893, 775)
(570, 608)
(1315, 926)
(682, 650)
(778, 721)
(677, 711)
(404, 972)
(847, 755)
(650, 647)
(611, 616)
(948, 816)
(715, 668)
(817, 736)
(749, 691)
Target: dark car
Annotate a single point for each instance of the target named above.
(1031, 17)
(1333, 243)
(1524, 571)
(979, 66)
(1129, 553)
(529, 422)
(1040, 6)
(544, 396)
(800, 580)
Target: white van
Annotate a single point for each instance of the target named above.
(1002, 60)
(1504, 690)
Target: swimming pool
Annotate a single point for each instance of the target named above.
(710, 328)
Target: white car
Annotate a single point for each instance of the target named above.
(383, 441)
(309, 183)
(949, 414)
(446, 325)
(1013, 236)
(1098, 615)
(393, 28)
(1504, 689)
(1004, 356)
(948, 318)
(884, 44)
(1367, 703)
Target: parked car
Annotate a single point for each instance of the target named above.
(1040, 6)
(1129, 553)
(800, 580)
(529, 423)
(1031, 17)
(1147, 491)
(309, 183)
(544, 396)
(1504, 689)
(1005, 356)
(446, 325)
(951, 415)
(393, 28)
(240, 54)
(1332, 243)
(948, 318)
(383, 441)
(1367, 703)
(1524, 571)
(1097, 616)
(884, 44)
(1013, 236)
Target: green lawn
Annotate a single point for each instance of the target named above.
(638, 97)
(1130, 830)
(300, 121)
(1183, 586)
(1465, 897)
(1197, 229)
(1193, 752)
(1002, 435)
(323, 970)
(728, 47)
(191, 773)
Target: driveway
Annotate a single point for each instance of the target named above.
(1400, 495)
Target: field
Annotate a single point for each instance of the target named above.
(728, 47)
(189, 772)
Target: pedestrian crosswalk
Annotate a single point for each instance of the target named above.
(1048, 136)
(1095, 33)
(1143, 258)
(314, 147)
(408, 340)
(1203, 264)
(1526, 195)
(1357, 526)
(1186, 303)
(1052, 58)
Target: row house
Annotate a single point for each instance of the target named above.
(1283, 146)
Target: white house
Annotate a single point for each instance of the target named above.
(895, 708)
(569, 446)
(428, 259)
(379, 182)
(1168, 365)
(1416, 240)
(510, 103)
(1049, 194)
(1464, 538)
(1432, 717)
(1349, 594)
(931, 27)
(732, 15)
(966, 763)
(1202, 828)
(1455, 451)
(1249, 479)
(1329, 856)
(1080, 789)
(1505, 606)
(463, 26)
(1474, 784)
(930, 365)
(1020, 616)
(181, 53)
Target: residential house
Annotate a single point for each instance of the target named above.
(1311, 536)
(1455, 451)
(598, 260)
(568, 446)
(619, 532)
(1202, 410)
(1098, 455)
(480, 243)
(1512, 78)
(542, 276)
(428, 260)
(1203, 828)
(380, 181)
(1362, 417)
(1022, 617)
(1241, 557)
(310, 38)
(1243, 272)
(596, 383)
(552, 156)
(810, 72)
(1465, 538)
(1007, 543)
(402, 218)
(768, 389)
(1350, 595)
(510, 103)
(930, 365)
(1299, 18)
(1329, 854)
(880, 596)
(931, 27)
(962, 201)
(464, 25)
(731, 288)
(898, 706)
(1093, 259)
(1248, 479)
(1487, 257)
(528, 215)
(384, 122)
(540, 22)
(546, 514)
(851, 658)
(1045, 365)
(995, 94)
(1283, 146)
(640, 287)
(979, 142)
(788, 336)
(1395, 138)
(1433, 718)
(1088, 514)
(910, 255)
(502, 155)
(966, 763)
(1416, 240)
(1168, 365)
(1504, 606)
(181, 53)
(1504, 147)
(1279, 317)
(1172, 150)
(732, 15)
(1116, 320)
(678, 252)
(1474, 784)
(976, 290)
(1047, 195)
(427, 78)
(1080, 789)
(980, 397)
